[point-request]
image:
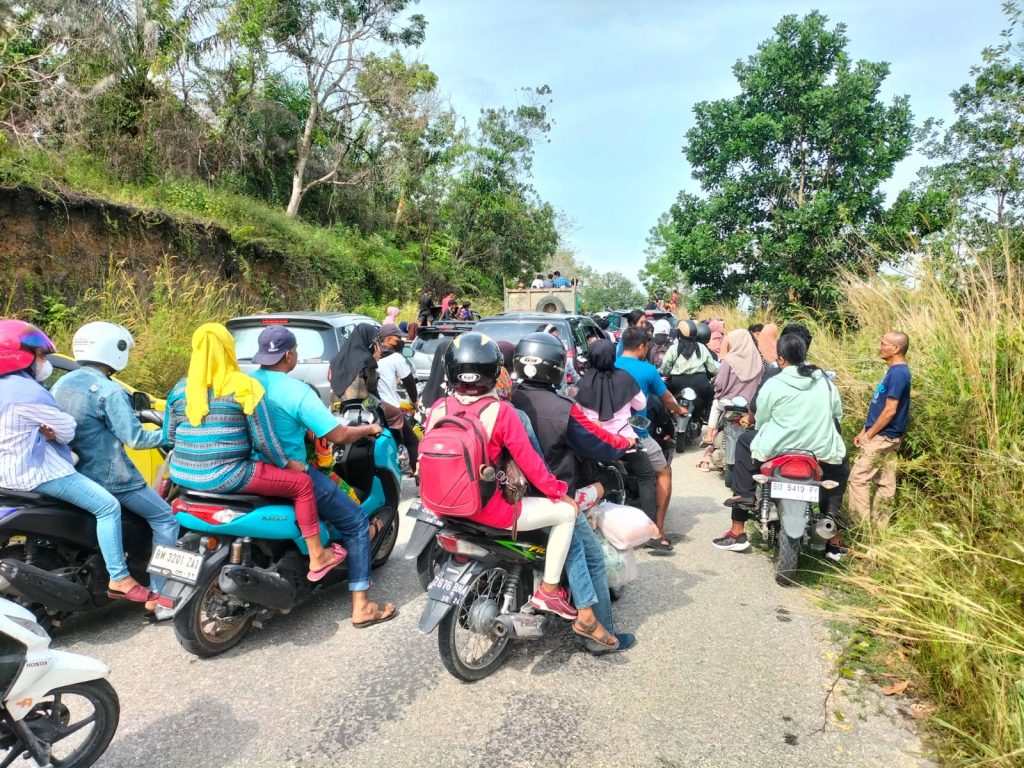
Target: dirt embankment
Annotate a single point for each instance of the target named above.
(61, 245)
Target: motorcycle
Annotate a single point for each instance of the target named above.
(619, 488)
(242, 559)
(787, 508)
(479, 601)
(731, 429)
(58, 708)
(50, 558)
(690, 425)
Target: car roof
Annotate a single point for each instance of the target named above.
(533, 316)
(337, 319)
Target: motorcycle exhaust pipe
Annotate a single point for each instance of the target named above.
(255, 585)
(522, 626)
(825, 528)
(38, 586)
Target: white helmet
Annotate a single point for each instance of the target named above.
(100, 342)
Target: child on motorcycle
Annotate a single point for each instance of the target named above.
(473, 363)
(216, 418)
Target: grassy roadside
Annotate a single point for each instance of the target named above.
(945, 582)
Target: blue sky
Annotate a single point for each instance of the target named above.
(625, 76)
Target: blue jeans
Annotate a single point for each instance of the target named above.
(347, 517)
(147, 504)
(587, 575)
(79, 490)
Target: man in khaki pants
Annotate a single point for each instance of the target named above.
(883, 430)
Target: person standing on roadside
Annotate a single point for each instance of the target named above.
(883, 431)
(426, 307)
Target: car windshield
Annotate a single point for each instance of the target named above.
(514, 330)
(428, 345)
(315, 345)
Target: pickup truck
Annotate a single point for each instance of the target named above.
(557, 300)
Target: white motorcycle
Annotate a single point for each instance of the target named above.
(58, 708)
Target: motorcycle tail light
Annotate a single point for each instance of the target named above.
(448, 543)
(214, 514)
(797, 470)
(456, 546)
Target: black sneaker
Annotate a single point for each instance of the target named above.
(732, 542)
(835, 552)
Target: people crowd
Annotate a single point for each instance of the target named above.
(234, 432)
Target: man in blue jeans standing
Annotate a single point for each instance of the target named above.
(106, 424)
(295, 408)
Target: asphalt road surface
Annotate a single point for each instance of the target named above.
(729, 670)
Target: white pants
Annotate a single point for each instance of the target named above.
(540, 513)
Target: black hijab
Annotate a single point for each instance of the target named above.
(354, 357)
(435, 388)
(605, 388)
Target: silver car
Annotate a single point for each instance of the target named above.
(319, 334)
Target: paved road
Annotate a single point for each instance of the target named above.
(730, 670)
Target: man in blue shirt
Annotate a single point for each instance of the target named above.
(633, 360)
(294, 408)
(559, 281)
(883, 431)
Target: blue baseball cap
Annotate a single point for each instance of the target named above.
(274, 341)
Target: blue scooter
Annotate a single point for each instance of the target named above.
(241, 558)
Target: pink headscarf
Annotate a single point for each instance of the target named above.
(717, 335)
(767, 342)
(743, 356)
(392, 317)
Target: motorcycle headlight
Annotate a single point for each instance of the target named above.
(29, 624)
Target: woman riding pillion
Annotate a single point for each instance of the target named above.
(473, 364)
(217, 418)
(35, 454)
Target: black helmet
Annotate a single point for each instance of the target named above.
(540, 358)
(702, 333)
(473, 364)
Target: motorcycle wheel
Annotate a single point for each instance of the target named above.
(469, 648)
(390, 539)
(786, 559)
(84, 714)
(429, 563)
(203, 635)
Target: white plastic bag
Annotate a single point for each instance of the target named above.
(619, 564)
(624, 527)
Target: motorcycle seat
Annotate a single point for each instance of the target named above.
(495, 533)
(21, 495)
(247, 499)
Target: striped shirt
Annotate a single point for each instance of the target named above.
(217, 456)
(19, 430)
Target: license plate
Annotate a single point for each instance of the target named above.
(419, 512)
(797, 491)
(447, 591)
(176, 564)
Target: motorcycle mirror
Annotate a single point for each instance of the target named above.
(689, 394)
(141, 402)
(408, 352)
(370, 403)
(831, 375)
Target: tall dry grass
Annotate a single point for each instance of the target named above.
(948, 574)
(161, 313)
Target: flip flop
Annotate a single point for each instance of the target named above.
(659, 545)
(317, 575)
(340, 551)
(137, 594)
(379, 617)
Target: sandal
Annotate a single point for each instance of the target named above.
(137, 594)
(380, 615)
(318, 574)
(661, 544)
(593, 643)
(376, 526)
(704, 465)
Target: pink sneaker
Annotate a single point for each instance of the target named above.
(553, 602)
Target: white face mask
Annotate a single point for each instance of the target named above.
(43, 370)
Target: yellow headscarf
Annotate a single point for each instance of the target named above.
(213, 366)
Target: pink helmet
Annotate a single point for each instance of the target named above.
(18, 344)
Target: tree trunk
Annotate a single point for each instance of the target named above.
(299, 174)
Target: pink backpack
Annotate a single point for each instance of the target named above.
(453, 459)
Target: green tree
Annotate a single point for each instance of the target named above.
(660, 272)
(790, 169)
(980, 154)
(610, 290)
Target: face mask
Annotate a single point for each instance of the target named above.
(42, 371)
